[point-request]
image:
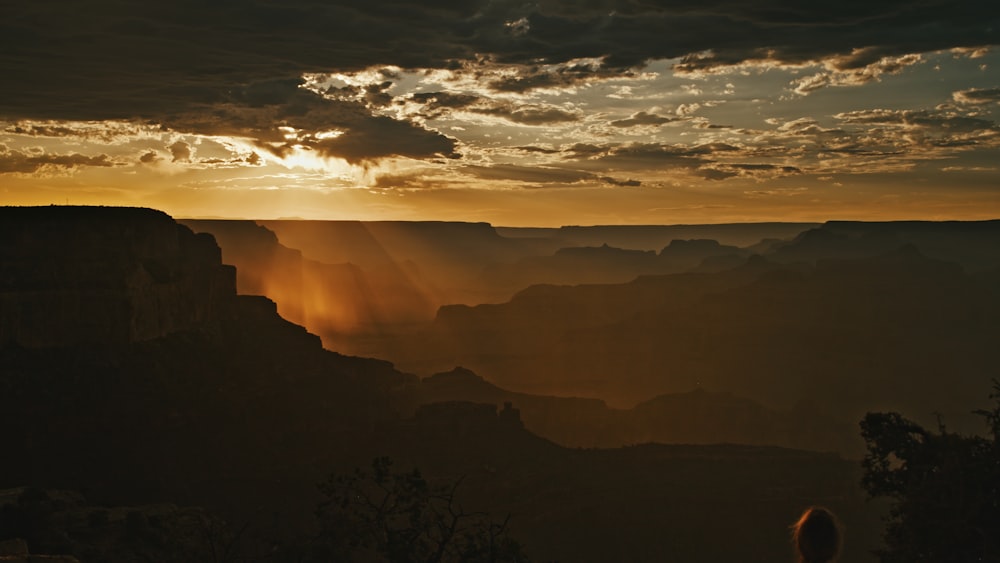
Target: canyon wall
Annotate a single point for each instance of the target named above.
(105, 276)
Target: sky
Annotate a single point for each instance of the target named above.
(516, 113)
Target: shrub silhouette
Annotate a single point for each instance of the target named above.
(398, 517)
(945, 488)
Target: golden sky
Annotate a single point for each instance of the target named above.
(544, 113)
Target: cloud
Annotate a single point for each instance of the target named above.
(875, 140)
(591, 160)
(929, 121)
(436, 105)
(38, 161)
(544, 175)
(786, 192)
(969, 169)
(415, 180)
(721, 171)
(559, 76)
(625, 183)
(280, 117)
(977, 96)
(215, 68)
(805, 126)
(872, 134)
(103, 132)
(587, 150)
(537, 150)
(132, 60)
(855, 69)
(528, 115)
(643, 118)
(533, 174)
(237, 99)
(712, 161)
(658, 154)
(180, 151)
(382, 137)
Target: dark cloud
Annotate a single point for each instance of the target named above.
(384, 137)
(643, 118)
(977, 96)
(845, 73)
(363, 137)
(721, 171)
(640, 155)
(653, 157)
(100, 132)
(437, 104)
(180, 151)
(533, 174)
(14, 161)
(706, 125)
(537, 150)
(235, 67)
(587, 150)
(408, 181)
(660, 151)
(875, 140)
(786, 192)
(534, 77)
(806, 126)
(544, 175)
(529, 115)
(862, 58)
(706, 160)
(626, 183)
(207, 68)
(928, 120)
(440, 104)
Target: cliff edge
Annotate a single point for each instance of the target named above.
(112, 276)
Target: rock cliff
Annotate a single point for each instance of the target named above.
(73, 276)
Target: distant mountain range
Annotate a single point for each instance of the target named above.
(842, 316)
(655, 237)
(305, 288)
(897, 330)
(364, 280)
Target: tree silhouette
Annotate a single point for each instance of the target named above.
(396, 516)
(945, 488)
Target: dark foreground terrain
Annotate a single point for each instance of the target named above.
(192, 423)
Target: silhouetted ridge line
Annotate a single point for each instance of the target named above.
(975, 245)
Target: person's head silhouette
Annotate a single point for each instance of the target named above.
(817, 536)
